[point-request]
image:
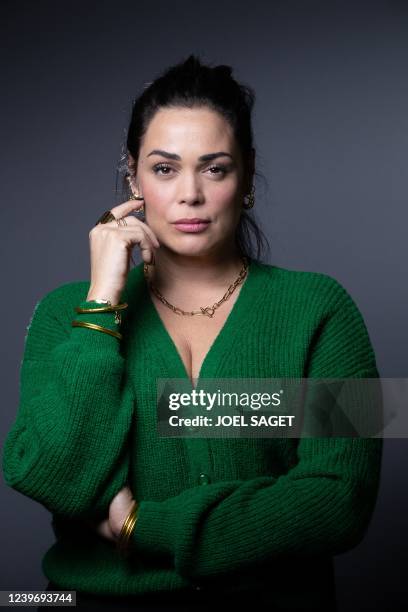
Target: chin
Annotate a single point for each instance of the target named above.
(190, 250)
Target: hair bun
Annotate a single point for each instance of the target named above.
(223, 71)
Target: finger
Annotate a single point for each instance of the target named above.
(126, 489)
(133, 221)
(147, 250)
(147, 240)
(104, 529)
(148, 230)
(126, 207)
(147, 255)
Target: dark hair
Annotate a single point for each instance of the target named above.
(191, 84)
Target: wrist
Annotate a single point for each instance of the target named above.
(113, 298)
(119, 521)
(127, 529)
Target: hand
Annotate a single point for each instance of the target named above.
(119, 509)
(111, 246)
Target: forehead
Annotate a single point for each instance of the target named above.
(180, 127)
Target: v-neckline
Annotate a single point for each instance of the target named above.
(234, 321)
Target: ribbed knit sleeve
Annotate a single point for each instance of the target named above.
(322, 505)
(67, 447)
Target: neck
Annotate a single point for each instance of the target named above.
(175, 273)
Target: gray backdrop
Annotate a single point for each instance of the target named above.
(331, 129)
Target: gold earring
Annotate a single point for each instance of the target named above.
(133, 196)
(251, 199)
(141, 209)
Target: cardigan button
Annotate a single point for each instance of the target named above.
(204, 479)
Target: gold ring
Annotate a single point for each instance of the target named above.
(106, 217)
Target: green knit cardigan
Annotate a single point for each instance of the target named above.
(271, 508)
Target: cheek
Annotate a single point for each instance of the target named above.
(226, 204)
(224, 196)
(156, 200)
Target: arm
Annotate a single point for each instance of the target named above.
(67, 447)
(321, 506)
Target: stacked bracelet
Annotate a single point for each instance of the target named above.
(127, 529)
(107, 307)
(97, 327)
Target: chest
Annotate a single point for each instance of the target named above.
(193, 336)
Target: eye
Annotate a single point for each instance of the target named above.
(162, 169)
(161, 166)
(221, 169)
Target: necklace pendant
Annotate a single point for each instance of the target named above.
(208, 311)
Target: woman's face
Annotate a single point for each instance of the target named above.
(177, 184)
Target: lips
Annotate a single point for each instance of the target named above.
(192, 226)
(192, 220)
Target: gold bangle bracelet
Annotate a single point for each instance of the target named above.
(101, 308)
(127, 528)
(97, 327)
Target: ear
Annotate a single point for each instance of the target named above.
(132, 166)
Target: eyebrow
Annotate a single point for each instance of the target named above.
(207, 157)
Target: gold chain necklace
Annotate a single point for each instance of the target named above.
(208, 310)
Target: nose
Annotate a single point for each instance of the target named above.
(190, 191)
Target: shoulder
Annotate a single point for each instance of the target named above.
(66, 292)
(58, 303)
(316, 290)
(321, 310)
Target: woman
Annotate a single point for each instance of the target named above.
(273, 512)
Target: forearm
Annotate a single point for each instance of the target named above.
(68, 447)
(317, 508)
